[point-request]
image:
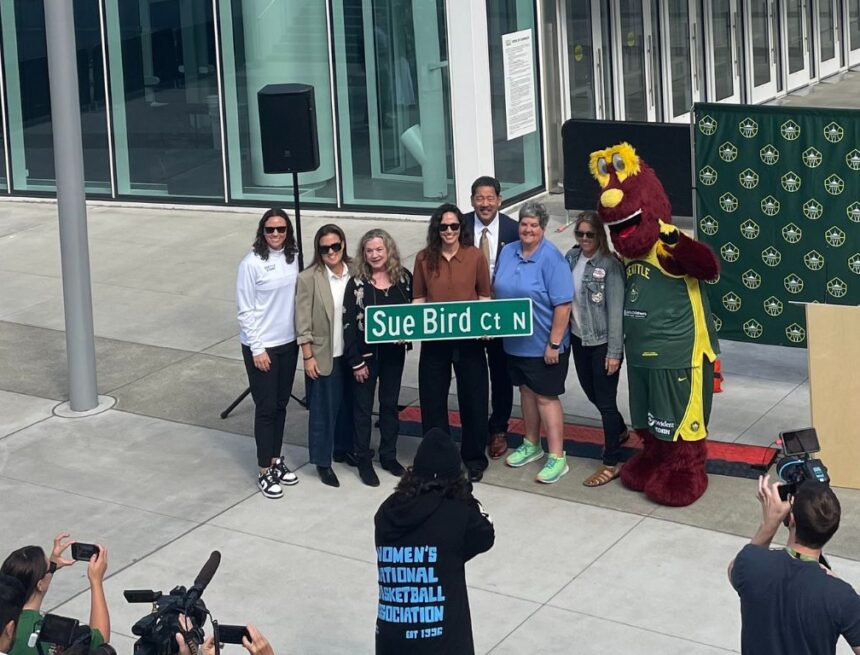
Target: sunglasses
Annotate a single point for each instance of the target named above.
(453, 227)
(582, 235)
(280, 229)
(335, 247)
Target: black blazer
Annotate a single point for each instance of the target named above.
(509, 230)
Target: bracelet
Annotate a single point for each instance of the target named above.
(307, 358)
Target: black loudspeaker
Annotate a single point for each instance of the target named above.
(288, 128)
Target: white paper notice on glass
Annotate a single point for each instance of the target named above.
(519, 83)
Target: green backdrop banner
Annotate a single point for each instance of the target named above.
(778, 200)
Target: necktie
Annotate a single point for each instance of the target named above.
(485, 244)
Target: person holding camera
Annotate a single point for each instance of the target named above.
(254, 642)
(35, 571)
(791, 603)
(12, 599)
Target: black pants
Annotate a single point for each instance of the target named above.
(601, 389)
(502, 390)
(386, 367)
(271, 392)
(434, 381)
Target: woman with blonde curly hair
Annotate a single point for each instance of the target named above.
(380, 279)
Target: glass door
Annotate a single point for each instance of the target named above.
(722, 64)
(634, 60)
(760, 56)
(679, 31)
(587, 59)
(796, 43)
(852, 11)
(829, 41)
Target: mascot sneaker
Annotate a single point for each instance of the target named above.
(527, 452)
(555, 467)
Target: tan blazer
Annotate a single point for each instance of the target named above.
(315, 315)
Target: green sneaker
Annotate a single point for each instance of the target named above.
(527, 452)
(555, 467)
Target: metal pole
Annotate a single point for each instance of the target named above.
(71, 204)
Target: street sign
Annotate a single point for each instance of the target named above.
(435, 321)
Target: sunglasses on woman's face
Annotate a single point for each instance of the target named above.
(584, 235)
(453, 227)
(271, 229)
(334, 247)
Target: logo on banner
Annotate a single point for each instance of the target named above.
(730, 252)
(837, 288)
(812, 157)
(732, 301)
(834, 237)
(753, 329)
(793, 283)
(707, 125)
(728, 203)
(792, 233)
(771, 256)
(833, 132)
(728, 152)
(853, 212)
(795, 333)
(770, 206)
(790, 130)
(854, 263)
(748, 179)
(769, 154)
(750, 229)
(834, 185)
(751, 279)
(718, 322)
(813, 209)
(773, 306)
(748, 128)
(716, 280)
(814, 260)
(791, 182)
(853, 160)
(709, 226)
(708, 176)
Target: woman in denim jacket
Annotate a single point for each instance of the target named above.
(597, 337)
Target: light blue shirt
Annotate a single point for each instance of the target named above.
(545, 278)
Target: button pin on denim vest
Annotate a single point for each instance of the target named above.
(599, 274)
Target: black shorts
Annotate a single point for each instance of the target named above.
(537, 375)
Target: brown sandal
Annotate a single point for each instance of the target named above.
(603, 475)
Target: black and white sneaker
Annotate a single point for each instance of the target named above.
(268, 483)
(282, 474)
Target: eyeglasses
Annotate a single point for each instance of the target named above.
(334, 247)
(280, 229)
(453, 227)
(584, 235)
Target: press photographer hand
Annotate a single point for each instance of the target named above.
(773, 510)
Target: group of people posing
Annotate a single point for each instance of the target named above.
(577, 304)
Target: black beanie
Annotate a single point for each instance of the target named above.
(438, 456)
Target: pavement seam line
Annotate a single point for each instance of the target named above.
(26, 427)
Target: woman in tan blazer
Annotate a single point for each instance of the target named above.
(319, 333)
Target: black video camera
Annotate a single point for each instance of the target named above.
(796, 466)
(157, 630)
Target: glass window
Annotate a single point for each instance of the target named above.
(275, 42)
(633, 60)
(680, 57)
(580, 55)
(517, 160)
(164, 95)
(25, 61)
(393, 97)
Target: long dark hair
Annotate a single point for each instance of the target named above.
(261, 248)
(433, 249)
(593, 219)
(28, 565)
(412, 485)
(331, 228)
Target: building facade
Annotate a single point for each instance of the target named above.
(415, 98)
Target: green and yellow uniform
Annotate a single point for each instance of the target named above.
(670, 347)
(29, 624)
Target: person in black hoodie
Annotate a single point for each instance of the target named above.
(426, 531)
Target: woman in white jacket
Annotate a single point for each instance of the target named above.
(265, 295)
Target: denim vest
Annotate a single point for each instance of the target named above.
(601, 303)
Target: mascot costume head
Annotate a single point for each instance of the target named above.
(670, 342)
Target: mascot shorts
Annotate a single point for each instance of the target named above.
(673, 403)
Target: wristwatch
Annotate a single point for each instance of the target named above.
(52, 567)
(554, 346)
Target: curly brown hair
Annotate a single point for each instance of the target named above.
(261, 248)
(412, 485)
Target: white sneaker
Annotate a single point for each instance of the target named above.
(282, 474)
(268, 483)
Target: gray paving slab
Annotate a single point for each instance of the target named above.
(19, 411)
(19, 291)
(17, 217)
(790, 413)
(744, 402)
(764, 361)
(230, 348)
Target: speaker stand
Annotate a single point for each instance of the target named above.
(298, 213)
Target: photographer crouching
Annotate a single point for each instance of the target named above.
(791, 603)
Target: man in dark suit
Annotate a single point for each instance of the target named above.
(491, 231)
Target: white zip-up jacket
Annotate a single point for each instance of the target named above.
(266, 300)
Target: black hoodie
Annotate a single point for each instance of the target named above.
(422, 545)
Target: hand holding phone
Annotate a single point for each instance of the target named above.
(232, 634)
(84, 552)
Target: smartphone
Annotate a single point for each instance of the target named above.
(796, 442)
(57, 630)
(232, 634)
(84, 552)
(786, 490)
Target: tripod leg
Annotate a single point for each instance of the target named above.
(233, 405)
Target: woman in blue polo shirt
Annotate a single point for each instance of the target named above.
(534, 268)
